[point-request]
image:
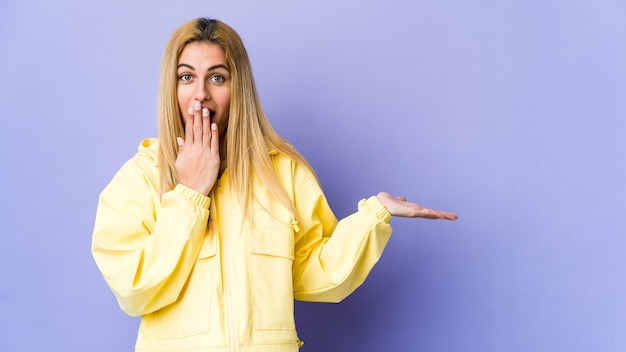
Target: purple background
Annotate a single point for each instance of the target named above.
(511, 113)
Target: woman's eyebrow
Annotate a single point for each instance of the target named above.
(209, 69)
(185, 65)
(216, 67)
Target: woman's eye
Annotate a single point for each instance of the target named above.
(185, 77)
(218, 79)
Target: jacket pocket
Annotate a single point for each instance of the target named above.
(271, 259)
(190, 314)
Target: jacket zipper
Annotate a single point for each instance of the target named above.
(230, 314)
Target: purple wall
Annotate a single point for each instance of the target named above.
(511, 113)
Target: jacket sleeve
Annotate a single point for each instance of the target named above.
(146, 245)
(333, 259)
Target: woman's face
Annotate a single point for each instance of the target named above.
(203, 77)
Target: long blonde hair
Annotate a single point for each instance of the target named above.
(249, 137)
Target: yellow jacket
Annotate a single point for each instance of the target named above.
(204, 281)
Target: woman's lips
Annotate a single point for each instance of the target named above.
(211, 112)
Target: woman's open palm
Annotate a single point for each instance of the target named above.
(399, 206)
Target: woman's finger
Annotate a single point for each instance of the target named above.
(206, 128)
(189, 125)
(197, 122)
(215, 139)
(438, 214)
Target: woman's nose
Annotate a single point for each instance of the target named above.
(202, 92)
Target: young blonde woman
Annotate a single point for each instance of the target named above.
(212, 230)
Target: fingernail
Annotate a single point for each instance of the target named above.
(213, 126)
(205, 112)
(190, 111)
(197, 105)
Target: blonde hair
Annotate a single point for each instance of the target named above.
(249, 137)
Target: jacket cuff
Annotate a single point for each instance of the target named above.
(373, 204)
(192, 195)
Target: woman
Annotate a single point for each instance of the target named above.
(211, 231)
